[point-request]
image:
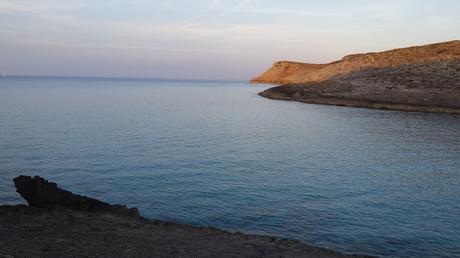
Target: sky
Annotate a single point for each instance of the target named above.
(207, 39)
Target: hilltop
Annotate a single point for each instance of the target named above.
(421, 78)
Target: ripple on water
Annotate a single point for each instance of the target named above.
(355, 180)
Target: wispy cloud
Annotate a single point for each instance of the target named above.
(35, 10)
(304, 13)
(206, 29)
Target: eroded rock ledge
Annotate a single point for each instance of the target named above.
(40, 193)
(58, 223)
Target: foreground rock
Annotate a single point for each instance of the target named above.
(424, 78)
(40, 193)
(28, 231)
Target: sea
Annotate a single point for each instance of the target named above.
(214, 153)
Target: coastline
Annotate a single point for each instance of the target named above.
(59, 223)
(414, 79)
(279, 93)
(36, 232)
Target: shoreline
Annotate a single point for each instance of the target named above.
(36, 232)
(413, 79)
(277, 93)
(59, 223)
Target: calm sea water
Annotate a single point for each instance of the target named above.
(216, 154)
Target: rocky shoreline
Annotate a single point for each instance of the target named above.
(285, 93)
(77, 226)
(423, 79)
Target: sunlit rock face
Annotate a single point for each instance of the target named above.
(424, 78)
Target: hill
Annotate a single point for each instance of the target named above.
(423, 78)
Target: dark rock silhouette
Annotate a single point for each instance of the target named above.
(40, 193)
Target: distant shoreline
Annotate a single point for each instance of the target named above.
(278, 93)
(414, 79)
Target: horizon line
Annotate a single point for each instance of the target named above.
(118, 78)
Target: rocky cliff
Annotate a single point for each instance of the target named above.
(422, 78)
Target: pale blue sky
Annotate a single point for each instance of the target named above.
(208, 39)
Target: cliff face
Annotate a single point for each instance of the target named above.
(285, 72)
(424, 78)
